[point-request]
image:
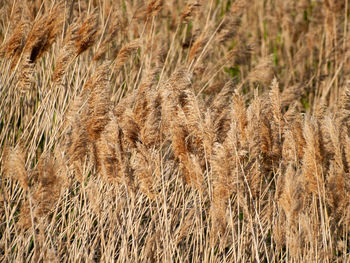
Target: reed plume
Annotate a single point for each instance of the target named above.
(174, 131)
(44, 33)
(86, 34)
(125, 53)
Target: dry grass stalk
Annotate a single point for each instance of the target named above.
(221, 162)
(113, 29)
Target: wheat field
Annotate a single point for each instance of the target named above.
(174, 131)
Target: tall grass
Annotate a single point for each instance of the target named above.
(174, 131)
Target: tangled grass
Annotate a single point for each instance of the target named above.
(174, 131)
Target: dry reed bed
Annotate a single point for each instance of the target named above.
(199, 131)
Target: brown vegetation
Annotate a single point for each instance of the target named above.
(174, 131)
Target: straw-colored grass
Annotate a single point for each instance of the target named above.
(174, 131)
